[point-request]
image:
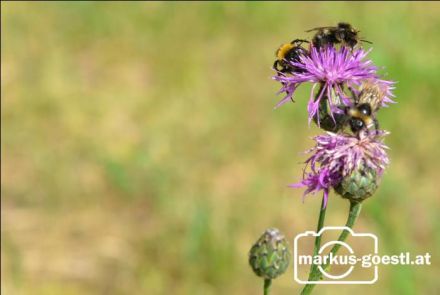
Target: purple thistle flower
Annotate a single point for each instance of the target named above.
(333, 69)
(336, 156)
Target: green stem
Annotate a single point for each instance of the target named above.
(267, 283)
(321, 219)
(355, 209)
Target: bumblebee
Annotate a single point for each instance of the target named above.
(360, 118)
(363, 114)
(289, 52)
(343, 33)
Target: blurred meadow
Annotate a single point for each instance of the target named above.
(140, 152)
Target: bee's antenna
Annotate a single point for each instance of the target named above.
(366, 41)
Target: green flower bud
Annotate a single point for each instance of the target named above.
(359, 185)
(269, 257)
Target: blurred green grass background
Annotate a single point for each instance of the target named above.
(141, 153)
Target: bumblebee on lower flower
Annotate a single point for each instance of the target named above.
(362, 115)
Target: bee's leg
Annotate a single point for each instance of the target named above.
(372, 125)
(275, 65)
(369, 128)
(291, 98)
(376, 124)
(354, 95)
(280, 72)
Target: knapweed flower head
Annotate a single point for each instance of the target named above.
(336, 156)
(335, 70)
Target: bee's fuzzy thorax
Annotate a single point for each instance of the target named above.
(282, 51)
(353, 112)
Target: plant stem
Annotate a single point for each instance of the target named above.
(355, 209)
(267, 283)
(321, 219)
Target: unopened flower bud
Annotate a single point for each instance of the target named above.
(269, 257)
(359, 185)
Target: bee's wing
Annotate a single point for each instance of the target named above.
(319, 28)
